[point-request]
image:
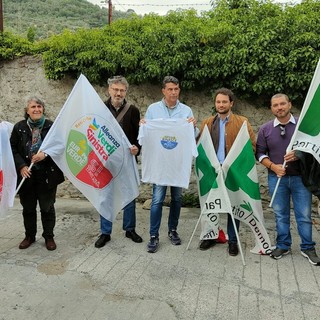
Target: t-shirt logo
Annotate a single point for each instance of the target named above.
(169, 142)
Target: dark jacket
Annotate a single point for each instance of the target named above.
(233, 127)
(129, 122)
(20, 143)
(310, 172)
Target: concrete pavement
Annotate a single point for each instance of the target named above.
(122, 281)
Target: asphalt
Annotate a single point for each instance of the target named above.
(122, 281)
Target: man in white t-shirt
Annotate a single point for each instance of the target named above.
(167, 108)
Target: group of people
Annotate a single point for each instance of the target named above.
(269, 148)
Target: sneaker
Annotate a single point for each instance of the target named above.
(278, 253)
(207, 244)
(153, 244)
(174, 237)
(311, 255)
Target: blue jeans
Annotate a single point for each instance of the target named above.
(159, 193)
(129, 219)
(302, 201)
(230, 229)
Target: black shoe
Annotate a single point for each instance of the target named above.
(233, 249)
(102, 240)
(133, 236)
(207, 244)
(27, 242)
(50, 244)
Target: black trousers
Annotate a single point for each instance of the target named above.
(35, 190)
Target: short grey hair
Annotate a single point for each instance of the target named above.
(118, 79)
(35, 99)
(169, 79)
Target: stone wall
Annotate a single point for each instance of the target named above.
(24, 77)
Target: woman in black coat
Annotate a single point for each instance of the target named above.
(40, 185)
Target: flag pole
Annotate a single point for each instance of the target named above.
(23, 179)
(237, 236)
(304, 107)
(276, 188)
(194, 230)
(235, 229)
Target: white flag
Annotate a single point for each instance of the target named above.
(241, 180)
(8, 175)
(213, 195)
(90, 147)
(306, 137)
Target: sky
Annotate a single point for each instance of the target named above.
(160, 7)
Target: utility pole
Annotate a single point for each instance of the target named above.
(1, 16)
(109, 12)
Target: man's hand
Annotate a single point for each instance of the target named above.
(290, 156)
(193, 120)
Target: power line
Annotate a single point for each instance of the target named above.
(162, 5)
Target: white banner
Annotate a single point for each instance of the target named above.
(8, 175)
(241, 181)
(91, 149)
(213, 194)
(306, 137)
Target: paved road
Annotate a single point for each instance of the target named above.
(122, 281)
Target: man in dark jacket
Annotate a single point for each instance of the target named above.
(128, 117)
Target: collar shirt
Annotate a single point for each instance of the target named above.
(273, 140)
(159, 110)
(221, 153)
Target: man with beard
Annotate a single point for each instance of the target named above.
(224, 128)
(273, 140)
(128, 117)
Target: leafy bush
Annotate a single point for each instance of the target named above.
(254, 47)
(12, 46)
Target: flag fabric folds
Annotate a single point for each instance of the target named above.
(213, 194)
(8, 175)
(232, 188)
(90, 147)
(306, 137)
(241, 180)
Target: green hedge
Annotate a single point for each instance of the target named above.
(254, 47)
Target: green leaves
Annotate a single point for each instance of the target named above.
(256, 48)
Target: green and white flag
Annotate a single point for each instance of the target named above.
(213, 195)
(241, 181)
(306, 137)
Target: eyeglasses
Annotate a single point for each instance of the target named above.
(119, 90)
(282, 131)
